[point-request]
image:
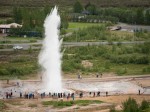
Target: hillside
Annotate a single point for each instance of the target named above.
(98, 3)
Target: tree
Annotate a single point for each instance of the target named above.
(139, 16)
(91, 8)
(87, 5)
(47, 10)
(146, 48)
(147, 17)
(78, 8)
(17, 15)
(64, 21)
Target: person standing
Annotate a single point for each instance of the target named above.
(72, 96)
(139, 92)
(94, 94)
(97, 75)
(20, 94)
(101, 75)
(106, 93)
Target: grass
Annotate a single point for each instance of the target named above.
(77, 25)
(18, 64)
(98, 55)
(6, 46)
(62, 104)
(18, 40)
(73, 26)
(118, 59)
(99, 32)
(147, 110)
(2, 105)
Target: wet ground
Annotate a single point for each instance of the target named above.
(113, 87)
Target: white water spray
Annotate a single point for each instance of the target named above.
(50, 56)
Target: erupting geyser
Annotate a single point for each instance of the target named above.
(50, 56)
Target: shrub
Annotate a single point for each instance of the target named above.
(17, 71)
(121, 71)
(112, 109)
(2, 105)
(4, 72)
(130, 106)
(146, 69)
(107, 65)
(144, 105)
(33, 40)
(20, 59)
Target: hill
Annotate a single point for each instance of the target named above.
(98, 3)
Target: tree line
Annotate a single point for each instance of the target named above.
(132, 15)
(32, 20)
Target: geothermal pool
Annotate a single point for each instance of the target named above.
(112, 87)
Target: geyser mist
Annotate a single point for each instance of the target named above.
(50, 56)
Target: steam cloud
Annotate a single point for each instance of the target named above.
(50, 56)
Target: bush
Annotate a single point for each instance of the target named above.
(112, 109)
(93, 33)
(144, 105)
(71, 65)
(20, 59)
(107, 65)
(146, 69)
(130, 106)
(4, 72)
(125, 58)
(33, 40)
(17, 71)
(121, 71)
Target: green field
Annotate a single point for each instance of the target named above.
(58, 104)
(74, 26)
(77, 25)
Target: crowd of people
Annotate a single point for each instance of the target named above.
(31, 95)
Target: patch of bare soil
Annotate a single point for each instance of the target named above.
(86, 64)
(35, 105)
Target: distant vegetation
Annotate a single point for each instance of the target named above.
(32, 16)
(119, 59)
(88, 22)
(64, 3)
(19, 65)
(117, 14)
(100, 32)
